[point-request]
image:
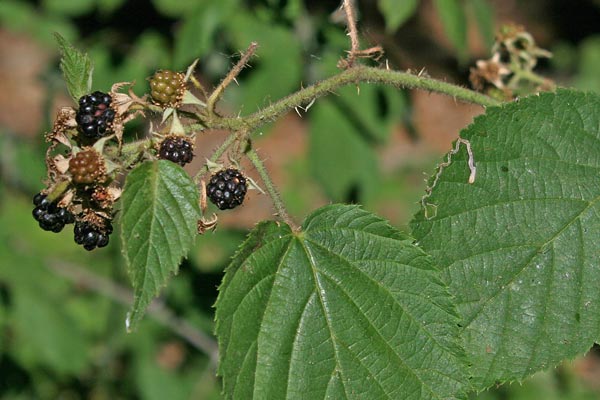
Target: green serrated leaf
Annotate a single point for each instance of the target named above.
(158, 223)
(519, 247)
(454, 21)
(77, 68)
(396, 12)
(348, 308)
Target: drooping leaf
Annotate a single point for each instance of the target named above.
(158, 227)
(396, 12)
(77, 68)
(348, 308)
(519, 247)
(454, 21)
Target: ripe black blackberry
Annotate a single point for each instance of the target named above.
(227, 188)
(87, 167)
(94, 116)
(91, 236)
(167, 88)
(176, 148)
(49, 216)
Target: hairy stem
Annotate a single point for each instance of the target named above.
(277, 201)
(233, 73)
(354, 75)
(352, 31)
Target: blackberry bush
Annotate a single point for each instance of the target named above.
(95, 116)
(518, 242)
(49, 216)
(167, 88)
(227, 188)
(178, 149)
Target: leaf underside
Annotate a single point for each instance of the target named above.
(349, 308)
(159, 225)
(519, 247)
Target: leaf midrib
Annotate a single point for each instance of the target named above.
(319, 291)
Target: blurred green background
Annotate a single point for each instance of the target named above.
(62, 309)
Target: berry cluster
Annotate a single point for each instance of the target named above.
(167, 88)
(49, 216)
(227, 188)
(94, 116)
(177, 149)
(91, 236)
(87, 167)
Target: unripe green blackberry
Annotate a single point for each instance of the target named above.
(178, 149)
(227, 188)
(87, 167)
(95, 116)
(50, 217)
(167, 88)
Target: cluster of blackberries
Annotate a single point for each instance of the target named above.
(227, 188)
(94, 116)
(49, 216)
(90, 236)
(53, 218)
(177, 149)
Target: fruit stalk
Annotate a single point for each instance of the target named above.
(277, 201)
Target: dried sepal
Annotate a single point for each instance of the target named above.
(205, 225)
(103, 197)
(96, 218)
(65, 120)
(61, 163)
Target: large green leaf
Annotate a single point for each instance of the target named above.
(158, 223)
(519, 247)
(77, 68)
(347, 308)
